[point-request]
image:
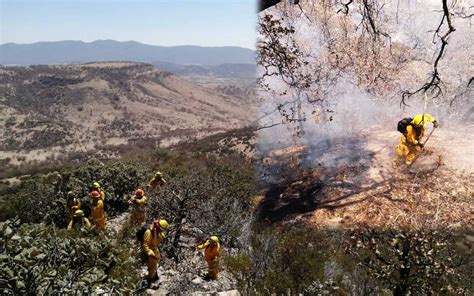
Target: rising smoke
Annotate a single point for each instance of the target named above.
(334, 131)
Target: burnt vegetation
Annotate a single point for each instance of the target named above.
(406, 234)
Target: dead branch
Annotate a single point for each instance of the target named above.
(435, 83)
(345, 9)
(281, 123)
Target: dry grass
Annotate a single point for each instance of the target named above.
(437, 199)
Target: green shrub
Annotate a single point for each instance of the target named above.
(42, 198)
(214, 200)
(289, 261)
(33, 200)
(37, 259)
(418, 262)
(280, 262)
(298, 261)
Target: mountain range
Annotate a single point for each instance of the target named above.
(69, 52)
(234, 71)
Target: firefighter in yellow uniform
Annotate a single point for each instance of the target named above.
(157, 181)
(78, 220)
(96, 187)
(97, 211)
(212, 250)
(151, 240)
(138, 201)
(72, 205)
(410, 142)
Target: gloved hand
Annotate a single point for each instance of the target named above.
(435, 124)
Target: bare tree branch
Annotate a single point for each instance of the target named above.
(434, 84)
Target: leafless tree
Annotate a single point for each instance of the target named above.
(355, 40)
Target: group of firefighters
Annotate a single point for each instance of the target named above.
(412, 130)
(152, 235)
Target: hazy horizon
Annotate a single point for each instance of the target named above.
(161, 22)
(124, 41)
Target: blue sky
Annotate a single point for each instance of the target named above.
(157, 22)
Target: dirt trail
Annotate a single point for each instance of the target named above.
(116, 224)
(185, 276)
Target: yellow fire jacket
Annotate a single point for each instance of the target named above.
(151, 240)
(211, 250)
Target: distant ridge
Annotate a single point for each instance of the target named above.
(67, 52)
(222, 70)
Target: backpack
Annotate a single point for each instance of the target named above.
(141, 232)
(402, 124)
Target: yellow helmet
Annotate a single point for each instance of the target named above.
(214, 239)
(422, 119)
(159, 174)
(96, 185)
(79, 214)
(163, 224)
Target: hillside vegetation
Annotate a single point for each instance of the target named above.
(47, 111)
(210, 191)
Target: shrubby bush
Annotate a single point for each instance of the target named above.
(292, 261)
(37, 259)
(212, 200)
(418, 262)
(208, 196)
(42, 198)
(363, 262)
(116, 178)
(32, 200)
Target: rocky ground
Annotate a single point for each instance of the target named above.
(185, 277)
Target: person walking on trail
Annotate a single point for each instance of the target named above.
(78, 221)
(212, 250)
(97, 211)
(138, 202)
(152, 238)
(412, 130)
(96, 187)
(157, 181)
(72, 205)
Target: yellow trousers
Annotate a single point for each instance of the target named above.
(99, 223)
(213, 267)
(70, 214)
(152, 264)
(405, 151)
